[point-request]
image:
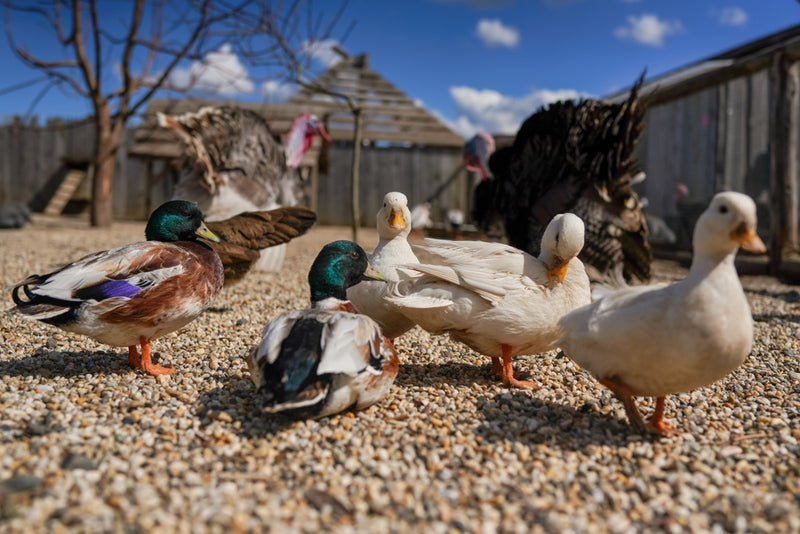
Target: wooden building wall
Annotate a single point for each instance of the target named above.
(33, 158)
(415, 171)
(711, 140)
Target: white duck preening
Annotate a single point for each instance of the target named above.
(661, 339)
(498, 300)
(393, 250)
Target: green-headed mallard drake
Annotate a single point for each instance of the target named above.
(656, 340)
(133, 294)
(327, 358)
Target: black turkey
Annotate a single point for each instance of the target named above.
(574, 157)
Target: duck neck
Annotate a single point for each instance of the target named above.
(329, 303)
(705, 264)
(394, 244)
(328, 292)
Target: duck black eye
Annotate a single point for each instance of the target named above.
(723, 209)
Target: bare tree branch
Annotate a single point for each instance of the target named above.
(265, 34)
(80, 52)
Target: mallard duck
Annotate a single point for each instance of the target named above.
(393, 250)
(243, 236)
(661, 339)
(327, 358)
(498, 300)
(133, 294)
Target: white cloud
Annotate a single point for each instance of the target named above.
(647, 29)
(219, 72)
(276, 91)
(491, 111)
(493, 33)
(322, 52)
(732, 16)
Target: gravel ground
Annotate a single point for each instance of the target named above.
(89, 445)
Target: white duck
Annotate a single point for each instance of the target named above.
(661, 339)
(498, 300)
(393, 250)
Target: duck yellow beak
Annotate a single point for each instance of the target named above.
(748, 239)
(205, 233)
(396, 220)
(372, 274)
(557, 270)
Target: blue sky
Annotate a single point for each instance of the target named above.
(482, 64)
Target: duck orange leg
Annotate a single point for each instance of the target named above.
(144, 363)
(508, 372)
(656, 424)
(623, 393)
(497, 367)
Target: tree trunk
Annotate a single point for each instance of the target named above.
(108, 141)
(354, 171)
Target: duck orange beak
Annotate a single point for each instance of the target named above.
(748, 239)
(557, 270)
(396, 220)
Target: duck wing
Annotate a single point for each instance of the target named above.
(262, 229)
(107, 278)
(302, 351)
(244, 235)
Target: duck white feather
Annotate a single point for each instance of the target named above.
(496, 299)
(392, 251)
(661, 339)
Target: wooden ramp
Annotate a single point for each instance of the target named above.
(66, 189)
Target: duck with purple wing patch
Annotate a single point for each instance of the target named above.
(327, 358)
(131, 295)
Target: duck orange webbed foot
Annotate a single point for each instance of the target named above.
(508, 374)
(144, 362)
(656, 425)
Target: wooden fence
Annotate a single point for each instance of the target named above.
(714, 139)
(34, 158)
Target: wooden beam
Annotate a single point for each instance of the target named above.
(655, 95)
(785, 77)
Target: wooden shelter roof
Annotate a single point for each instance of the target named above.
(720, 68)
(389, 115)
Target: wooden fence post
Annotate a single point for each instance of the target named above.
(785, 76)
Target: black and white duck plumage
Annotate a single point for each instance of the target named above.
(327, 358)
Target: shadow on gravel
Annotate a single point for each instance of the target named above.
(239, 402)
(791, 296)
(68, 364)
(558, 425)
(453, 373)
